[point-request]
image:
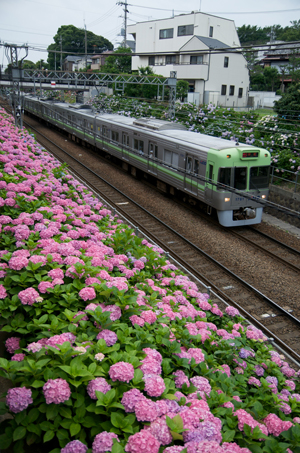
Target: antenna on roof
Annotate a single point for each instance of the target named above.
(200, 6)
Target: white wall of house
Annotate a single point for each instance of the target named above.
(159, 46)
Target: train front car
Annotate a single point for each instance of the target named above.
(238, 178)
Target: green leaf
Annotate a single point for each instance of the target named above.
(33, 415)
(48, 436)
(34, 428)
(117, 419)
(19, 433)
(37, 384)
(117, 447)
(75, 429)
(228, 436)
(138, 376)
(65, 412)
(247, 430)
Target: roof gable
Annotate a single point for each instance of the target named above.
(203, 43)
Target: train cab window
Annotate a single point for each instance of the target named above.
(125, 139)
(224, 177)
(240, 178)
(259, 177)
(139, 146)
(115, 136)
(210, 172)
(189, 164)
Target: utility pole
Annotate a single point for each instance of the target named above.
(11, 52)
(125, 21)
(60, 40)
(85, 50)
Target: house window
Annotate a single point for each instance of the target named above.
(196, 59)
(166, 33)
(151, 61)
(223, 90)
(240, 92)
(226, 61)
(171, 59)
(231, 90)
(211, 32)
(185, 30)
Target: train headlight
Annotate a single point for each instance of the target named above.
(226, 199)
(263, 196)
(228, 156)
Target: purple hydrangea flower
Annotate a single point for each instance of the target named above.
(75, 446)
(18, 399)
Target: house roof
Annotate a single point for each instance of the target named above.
(212, 43)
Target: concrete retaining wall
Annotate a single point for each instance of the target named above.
(287, 199)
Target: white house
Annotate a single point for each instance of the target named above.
(201, 49)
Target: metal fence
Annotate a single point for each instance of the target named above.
(289, 180)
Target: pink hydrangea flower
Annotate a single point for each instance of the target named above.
(121, 371)
(142, 442)
(12, 344)
(75, 446)
(18, 262)
(18, 399)
(108, 336)
(18, 357)
(87, 293)
(130, 399)
(154, 385)
(56, 391)
(3, 292)
(160, 430)
(29, 296)
(99, 384)
(103, 442)
(145, 410)
(275, 425)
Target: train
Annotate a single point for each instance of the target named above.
(229, 178)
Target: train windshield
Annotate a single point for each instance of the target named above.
(240, 178)
(224, 177)
(259, 177)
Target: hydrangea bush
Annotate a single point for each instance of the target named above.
(110, 347)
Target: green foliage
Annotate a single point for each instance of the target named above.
(289, 105)
(118, 63)
(73, 42)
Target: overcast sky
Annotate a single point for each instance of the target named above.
(35, 22)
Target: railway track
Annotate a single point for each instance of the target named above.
(278, 322)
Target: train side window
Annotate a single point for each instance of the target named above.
(240, 178)
(196, 167)
(175, 159)
(105, 131)
(224, 177)
(92, 126)
(168, 157)
(125, 139)
(153, 150)
(189, 164)
(139, 146)
(115, 136)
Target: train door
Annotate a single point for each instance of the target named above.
(191, 174)
(152, 157)
(210, 177)
(125, 146)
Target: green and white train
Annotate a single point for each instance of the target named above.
(231, 178)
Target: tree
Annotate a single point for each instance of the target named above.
(72, 41)
(117, 63)
(27, 64)
(291, 33)
(272, 78)
(289, 104)
(182, 88)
